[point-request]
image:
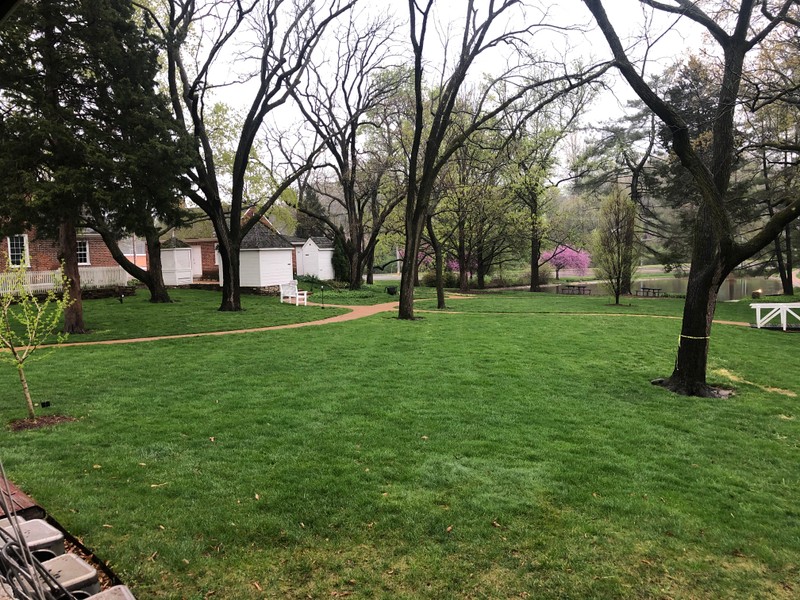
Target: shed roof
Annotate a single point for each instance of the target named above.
(174, 242)
(322, 242)
(261, 236)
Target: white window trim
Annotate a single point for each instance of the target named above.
(27, 260)
(88, 257)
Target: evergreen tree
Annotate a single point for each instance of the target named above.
(308, 226)
(84, 131)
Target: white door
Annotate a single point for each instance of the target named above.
(197, 261)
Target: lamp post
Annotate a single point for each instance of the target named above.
(322, 289)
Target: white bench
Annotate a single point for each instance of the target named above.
(289, 291)
(775, 309)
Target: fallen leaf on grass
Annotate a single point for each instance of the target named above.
(496, 524)
(449, 529)
(107, 526)
(213, 439)
(157, 485)
(97, 466)
(257, 586)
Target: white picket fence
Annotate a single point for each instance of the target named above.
(91, 278)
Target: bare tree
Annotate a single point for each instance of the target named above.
(200, 35)
(434, 141)
(716, 250)
(344, 102)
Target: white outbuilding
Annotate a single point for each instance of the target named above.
(315, 258)
(176, 262)
(265, 258)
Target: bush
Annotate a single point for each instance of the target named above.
(545, 274)
(428, 279)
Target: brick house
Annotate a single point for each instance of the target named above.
(97, 267)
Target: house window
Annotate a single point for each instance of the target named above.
(83, 252)
(18, 250)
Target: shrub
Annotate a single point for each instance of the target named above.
(428, 279)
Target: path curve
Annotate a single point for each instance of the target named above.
(355, 312)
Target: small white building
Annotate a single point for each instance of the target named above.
(265, 259)
(315, 258)
(176, 262)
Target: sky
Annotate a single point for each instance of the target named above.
(588, 44)
(582, 41)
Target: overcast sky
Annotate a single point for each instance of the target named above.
(582, 41)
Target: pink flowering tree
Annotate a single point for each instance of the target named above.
(564, 257)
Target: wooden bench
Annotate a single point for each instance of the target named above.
(289, 291)
(573, 289)
(648, 291)
(775, 309)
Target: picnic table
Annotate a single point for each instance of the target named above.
(573, 289)
(648, 291)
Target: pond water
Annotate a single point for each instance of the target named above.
(734, 288)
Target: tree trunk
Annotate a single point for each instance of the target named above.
(356, 266)
(68, 255)
(409, 272)
(439, 263)
(155, 280)
(789, 287)
(536, 253)
(152, 277)
(784, 270)
(28, 401)
(481, 270)
(370, 265)
(231, 291)
(706, 274)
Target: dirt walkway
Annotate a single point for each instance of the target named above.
(356, 312)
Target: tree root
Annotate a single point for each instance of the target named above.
(693, 388)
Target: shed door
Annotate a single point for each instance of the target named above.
(197, 261)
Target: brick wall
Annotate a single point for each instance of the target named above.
(208, 249)
(43, 253)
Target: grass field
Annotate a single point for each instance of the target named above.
(512, 447)
(192, 311)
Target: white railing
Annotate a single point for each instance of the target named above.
(91, 278)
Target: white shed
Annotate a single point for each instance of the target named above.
(176, 262)
(315, 258)
(265, 259)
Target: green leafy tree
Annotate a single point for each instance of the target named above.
(718, 246)
(614, 249)
(84, 132)
(27, 322)
(482, 30)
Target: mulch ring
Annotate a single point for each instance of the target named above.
(39, 422)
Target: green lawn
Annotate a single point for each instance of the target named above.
(474, 455)
(192, 311)
(543, 303)
(367, 295)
